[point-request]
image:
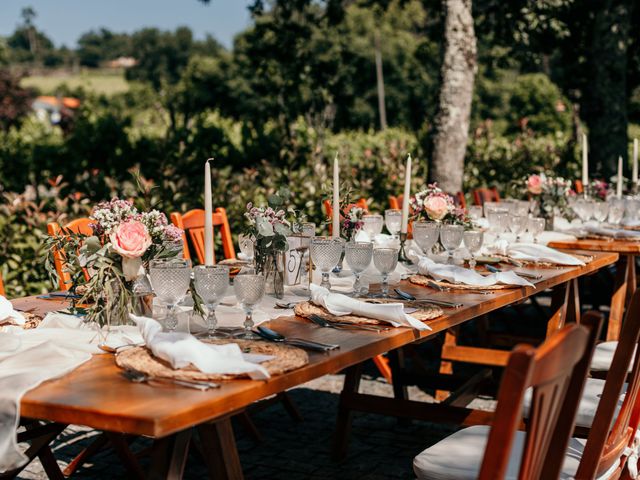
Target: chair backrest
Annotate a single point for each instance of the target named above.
(556, 371)
(328, 210)
(395, 203)
(481, 195)
(192, 223)
(1, 286)
(607, 439)
(80, 225)
(578, 186)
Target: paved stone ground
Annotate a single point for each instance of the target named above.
(379, 449)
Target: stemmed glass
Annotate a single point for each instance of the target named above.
(425, 234)
(517, 225)
(473, 241)
(475, 212)
(451, 238)
(497, 220)
(211, 283)
(385, 261)
(325, 254)
(372, 224)
(600, 211)
(358, 256)
(170, 280)
(393, 221)
(616, 211)
(249, 289)
(536, 227)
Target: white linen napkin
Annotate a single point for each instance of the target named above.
(540, 253)
(339, 305)
(612, 232)
(8, 315)
(182, 349)
(455, 274)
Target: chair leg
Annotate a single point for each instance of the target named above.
(382, 363)
(345, 414)
(94, 447)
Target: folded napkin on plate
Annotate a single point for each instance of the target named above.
(611, 232)
(339, 305)
(182, 349)
(455, 274)
(8, 315)
(535, 252)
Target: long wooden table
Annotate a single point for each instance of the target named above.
(96, 395)
(625, 281)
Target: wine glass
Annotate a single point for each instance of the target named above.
(475, 212)
(393, 221)
(522, 208)
(451, 238)
(425, 234)
(325, 254)
(211, 283)
(372, 224)
(358, 256)
(517, 225)
(616, 211)
(385, 261)
(249, 289)
(473, 241)
(170, 280)
(498, 219)
(536, 227)
(246, 246)
(600, 211)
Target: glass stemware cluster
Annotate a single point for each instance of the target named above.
(170, 279)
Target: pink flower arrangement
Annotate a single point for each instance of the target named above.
(434, 204)
(351, 216)
(130, 239)
(534, 184)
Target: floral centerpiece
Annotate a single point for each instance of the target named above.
(269, 227)
(351, 217)
(598, 190)
(552, 194)
(435, 205)
(105, 266)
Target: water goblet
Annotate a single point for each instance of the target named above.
(308, 229)
(358, 256)
(325, 254)
(451, 238)
(249, 289)
(393, 221)
(498, 219)
(425, 234)
(385, 261)
(517, 225)
(489, 206)
(536, 227)
(211, 282)
(600, 211)
(372, 223)
(473, 241)
(170, 280)
(522, 208)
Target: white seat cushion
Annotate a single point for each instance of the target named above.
(459, 457)
(588, 402)
(603, 355)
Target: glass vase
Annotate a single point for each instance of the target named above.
(271, 265)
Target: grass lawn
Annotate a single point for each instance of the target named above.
(99, 81)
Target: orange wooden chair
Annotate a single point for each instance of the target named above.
(481, 195)
(1, 286)
(578, 186)
(81, 225)
(328, 207)
(192, 223)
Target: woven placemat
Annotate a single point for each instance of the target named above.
(582, 258)
(422, 280)
(592, 236)
(33, 320)
(306, 309)
(286, 359)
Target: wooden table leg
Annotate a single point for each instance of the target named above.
(573, 302)
(619, 297)
(169, 456)
(446, 368)
(559, 302)
(219, 449)
(345, 413)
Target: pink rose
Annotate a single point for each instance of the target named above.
(130, 239)
(436, 207)
(534, 184)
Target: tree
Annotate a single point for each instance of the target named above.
(456, 93)
(15, 101)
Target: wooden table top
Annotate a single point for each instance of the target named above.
(627, 247)
(97, 396)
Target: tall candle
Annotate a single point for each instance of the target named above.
(619, 186)
(208, 216)
(336, 198)
(406, 195)
(585, 164)
(634, 175)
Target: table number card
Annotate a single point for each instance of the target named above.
(296, 260)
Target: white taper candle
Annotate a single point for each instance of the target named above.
(619, 185)
(634, 175)
(208, 216)
(336, 198)
(406, 196)
(585, 163)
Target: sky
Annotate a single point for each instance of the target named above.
(65, 20)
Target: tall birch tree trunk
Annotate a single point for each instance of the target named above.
(456, 92)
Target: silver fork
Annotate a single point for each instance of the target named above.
(140, 377)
